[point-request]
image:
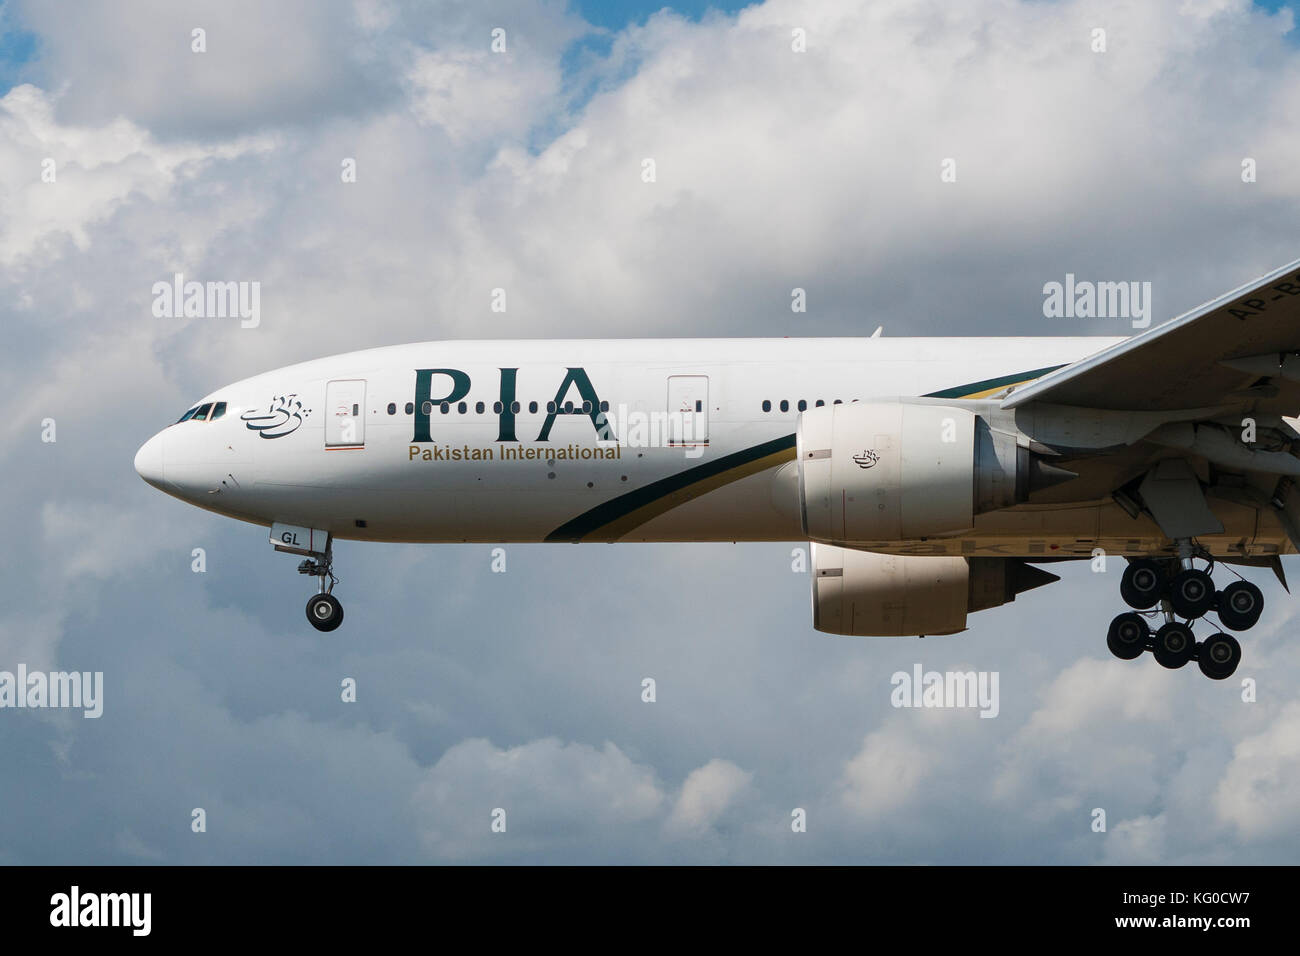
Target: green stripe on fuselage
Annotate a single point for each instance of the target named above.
(683, 481)
(704, 478)
(989, 384)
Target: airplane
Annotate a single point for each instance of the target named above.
(932, 477)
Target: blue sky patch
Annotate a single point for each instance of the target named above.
(17, 49)
(616, 14)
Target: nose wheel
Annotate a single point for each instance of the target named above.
(324, 610)
(1174, 588)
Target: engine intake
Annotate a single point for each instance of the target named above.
(872, 472)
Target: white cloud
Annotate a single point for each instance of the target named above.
(1257, 792)
(477, 95)
(707, 793)
(886, 773)
(1090, 726)
(549, 791)
(1140, 841)
(95, 169)
(264, 63)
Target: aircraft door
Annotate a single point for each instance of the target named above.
(345, 414)
(688, 407)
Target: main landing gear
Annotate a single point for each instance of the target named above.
(1182, 591)
(323, 609)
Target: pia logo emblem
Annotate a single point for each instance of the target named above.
(283, 417)
(867, 458)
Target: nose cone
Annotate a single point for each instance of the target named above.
(149, 461)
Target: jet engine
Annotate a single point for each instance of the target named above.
(866, 594)
(898, 471)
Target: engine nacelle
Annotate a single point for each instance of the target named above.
(897, 471)
(866, 594)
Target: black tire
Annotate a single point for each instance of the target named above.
(1128, 636)
(1142, 584)
(1191, 593)
(1240, 605)
(1218, 656)
(325, 612)
(1175, 645)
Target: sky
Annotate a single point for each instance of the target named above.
(522, 690)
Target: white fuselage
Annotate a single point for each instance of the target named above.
(699, 446)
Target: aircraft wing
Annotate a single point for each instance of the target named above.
(1219, 353)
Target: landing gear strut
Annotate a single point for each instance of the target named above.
(1174, 588)
(323, 609)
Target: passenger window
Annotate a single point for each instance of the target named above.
(392, 408)
(820, 402)
(514, 408)
(803, 405)
(604, 406)
(202, 414)
(532, 408)
(496, 408)
(218, 410)
(427, 408)
(410, 408)
(568, 408)
(586, 408)
(550, 408)
(478, 408)
(838, 402)
(445, 408)
(462, 407)
(767, 405)
(785, 405)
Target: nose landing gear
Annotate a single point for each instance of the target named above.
(1182, 591)
(323, 609)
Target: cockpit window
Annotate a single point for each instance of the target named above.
(188, 415)
(218, 410)
(202, 414)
